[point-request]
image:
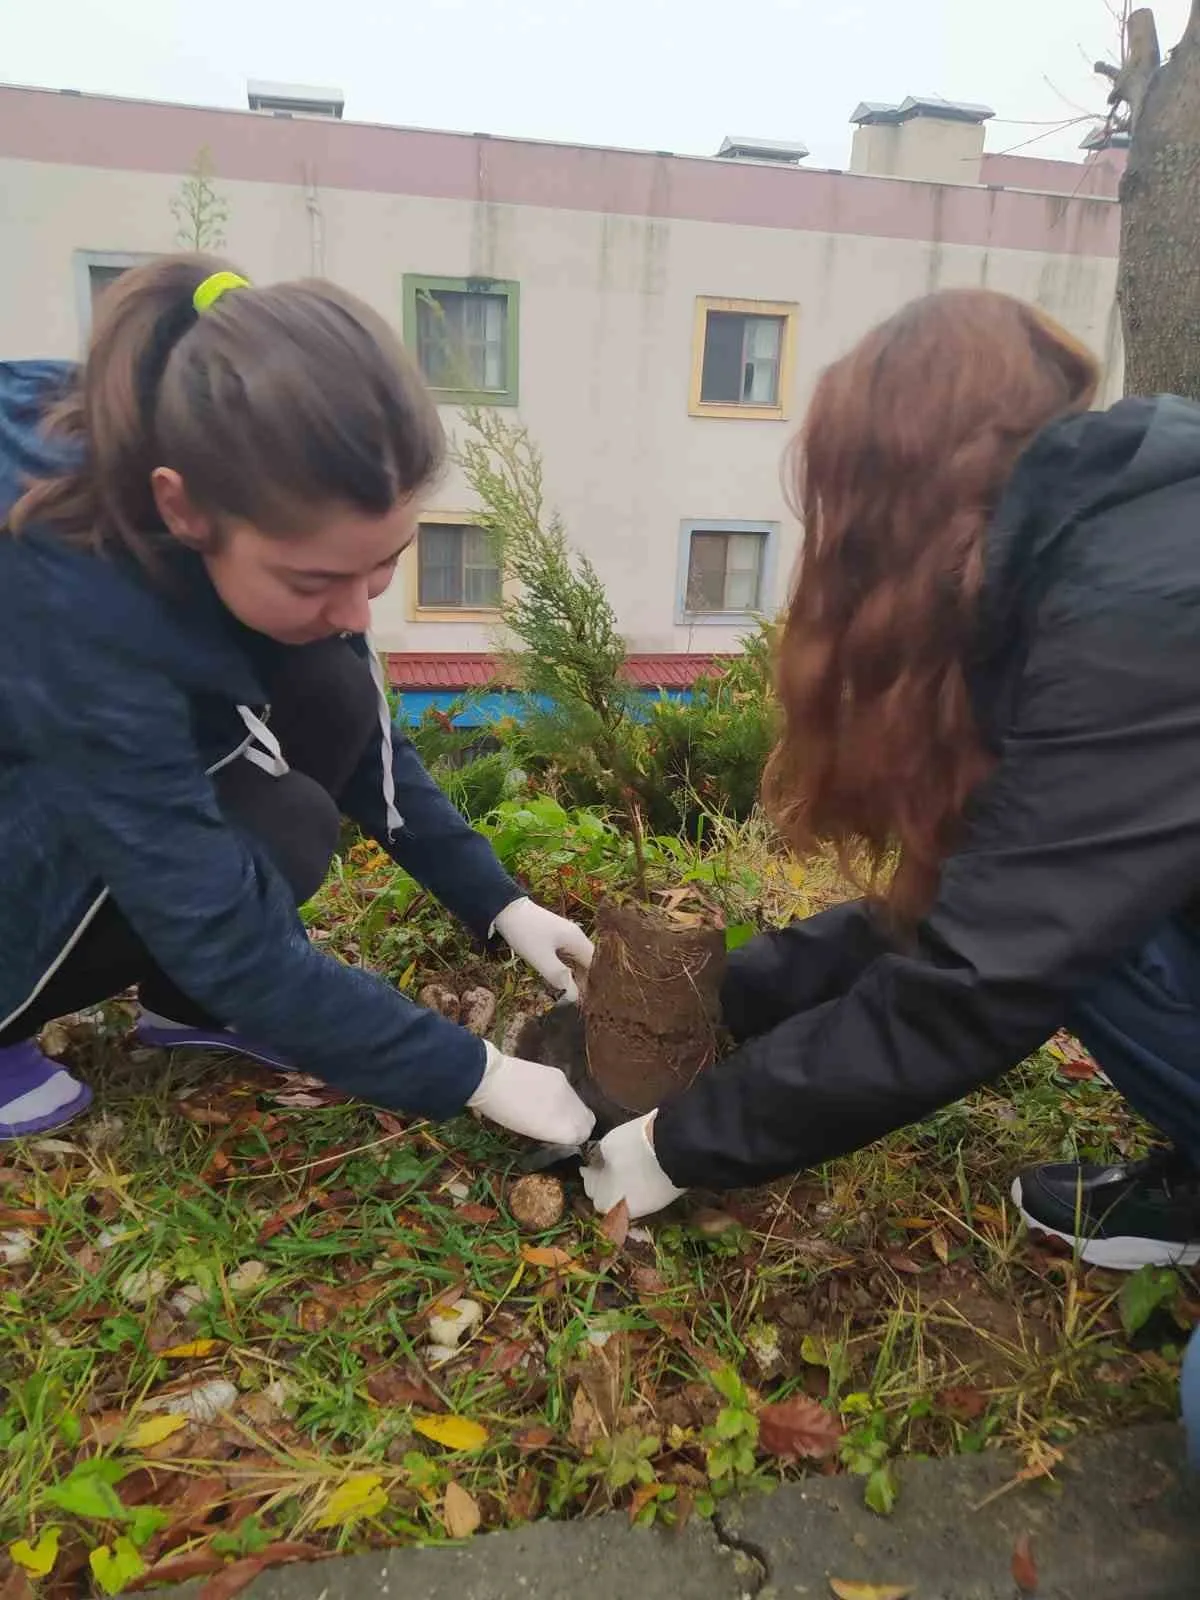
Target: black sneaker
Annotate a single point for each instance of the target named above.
(1120, 1217)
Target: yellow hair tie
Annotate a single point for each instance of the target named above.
(214, 286)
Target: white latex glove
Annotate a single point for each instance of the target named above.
(623, 1166)
(527, 1098)
(542, 939)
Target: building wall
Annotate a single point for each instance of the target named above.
(611, 250)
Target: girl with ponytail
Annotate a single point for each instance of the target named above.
(194, 526)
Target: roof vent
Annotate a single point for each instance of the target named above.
(872, 113)
(779, 152)
(294, 100)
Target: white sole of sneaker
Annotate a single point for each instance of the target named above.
(1122, 1254)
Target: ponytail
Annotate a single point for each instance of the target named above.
(272, 403)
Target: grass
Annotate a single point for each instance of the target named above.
(204, 1229)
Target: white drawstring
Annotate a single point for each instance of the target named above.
(394, 820)
(270, 758)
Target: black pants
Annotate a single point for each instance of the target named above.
(324, 711)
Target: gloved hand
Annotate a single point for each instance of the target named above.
(542, 939)
(623, 1166)
(527, 1098)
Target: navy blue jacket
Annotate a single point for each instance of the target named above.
(116, 697)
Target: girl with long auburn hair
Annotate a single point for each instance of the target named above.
(990, 685)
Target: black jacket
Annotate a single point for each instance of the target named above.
(1086, 681)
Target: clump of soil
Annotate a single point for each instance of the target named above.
(652, 1008)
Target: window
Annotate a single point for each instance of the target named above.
(464, 332)
(95, 272)
(741, 366)
(725, 570)
(456, 568)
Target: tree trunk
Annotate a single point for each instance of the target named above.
(1158, 281)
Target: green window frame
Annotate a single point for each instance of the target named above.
(483, 314)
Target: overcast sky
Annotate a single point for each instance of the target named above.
(659, 74)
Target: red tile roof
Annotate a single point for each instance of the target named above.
(445, 670)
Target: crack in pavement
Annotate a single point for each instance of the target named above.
(750, 1560)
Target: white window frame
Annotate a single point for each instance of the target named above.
(767, 531)
(83, 262)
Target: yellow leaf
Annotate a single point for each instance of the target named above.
(459, 1512)
(870, 1591)
(407, 977)
(545, 1255)
(456, 1433)
(941, 1246)
(197, 1347)
(37, 1558)
(363, 1495)
(154, 1430)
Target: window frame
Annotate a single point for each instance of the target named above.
(788, 311)
(767, 531)
(412, 575)
(416, 284)
(82, 263)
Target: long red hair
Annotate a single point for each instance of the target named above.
(895, 474)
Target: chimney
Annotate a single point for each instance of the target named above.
(772, 152)
(294, 100)
(930, 140)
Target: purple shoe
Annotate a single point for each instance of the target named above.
(36, 1094)
(160, 1033)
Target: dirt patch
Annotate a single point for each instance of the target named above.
(652, 1007)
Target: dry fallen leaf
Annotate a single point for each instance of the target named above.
(191, 1350)
(798, 1427)
(456, 1433)
(154, 1430)
(535, 1438)
(1024, 1567)
(390, 1386)
(870, 1591)
(361, 1495)
(471, 1212)
(204, 1402)
(615, 1225)
(963, 1404)
(941, 1246)
(460, 1514)
(233, 1579)
(545, 1255)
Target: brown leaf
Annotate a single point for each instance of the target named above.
(586, 1427)
(312, 1316)
(470, 1212)
(712, 1222)
(504, 1357)
(535, 1438)
(941, 1246)
(390, 1386)
(648, 1280)
(14, 1585)
(615, 1224)
(641, 1498)
(525, 1501)
(233, 1579)
(460, 1514)
(204, 1116)
(280, 1219)
(547, 1255)
(798, 1427)
(899, 1262)
(178, 1569)
(23, 1218)
(445, 1298)
(964, 1405)
(870, 1591)
(1024, 1567)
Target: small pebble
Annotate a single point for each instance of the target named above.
(246, 1277)
(451, 1326)
(205, 1403)
(459, 1191)
(15, 1247)
(478, 1010)
(184, 1301)
(143, 1284)
(437, 998)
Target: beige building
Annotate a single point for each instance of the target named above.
(658, 321)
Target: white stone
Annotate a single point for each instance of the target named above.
(143, 1284)
(452, 1325)
(16, 1247)
(248, 1276)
